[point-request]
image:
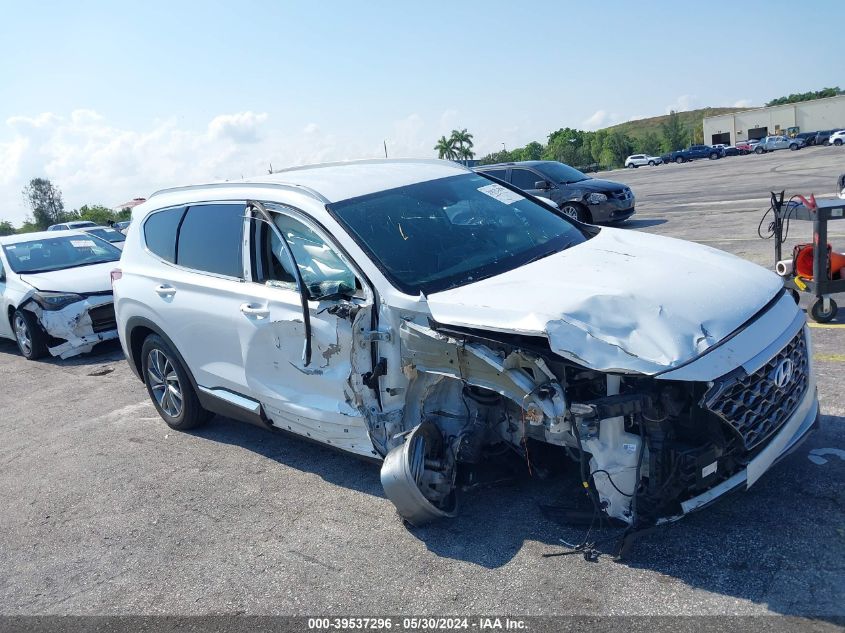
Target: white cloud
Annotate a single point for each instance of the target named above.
(743, 103)
(596, 121)
(94, 161)
(683, 103)
(243, 127)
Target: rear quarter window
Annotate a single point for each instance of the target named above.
(160, 232)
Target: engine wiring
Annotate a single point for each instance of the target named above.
(791, 205)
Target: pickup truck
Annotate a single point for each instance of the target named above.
(693, 152)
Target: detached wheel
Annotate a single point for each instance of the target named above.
(31, 340)
(575, 211)
(818, 313)
(169, 387)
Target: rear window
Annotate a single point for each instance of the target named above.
(160, 232)
(110, 235)
(210, 239)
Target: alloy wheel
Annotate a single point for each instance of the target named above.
(570, 211)
(22, 335)
(164, 383)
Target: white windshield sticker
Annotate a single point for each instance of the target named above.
(500, 193)
(82, 243)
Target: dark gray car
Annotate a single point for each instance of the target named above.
(577, 195)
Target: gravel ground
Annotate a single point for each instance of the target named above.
(107, 511)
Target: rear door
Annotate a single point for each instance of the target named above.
(526, 180)
(321, 395)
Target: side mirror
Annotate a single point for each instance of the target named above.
(542, 185)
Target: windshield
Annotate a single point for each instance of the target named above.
(444, 233)
(560, 173)
(110, 235)
(57, 253)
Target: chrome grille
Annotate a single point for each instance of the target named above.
(753, 404)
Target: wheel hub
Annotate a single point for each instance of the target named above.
(164, 383)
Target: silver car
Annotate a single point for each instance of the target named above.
(771, 143)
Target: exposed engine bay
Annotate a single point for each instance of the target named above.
(643, 446)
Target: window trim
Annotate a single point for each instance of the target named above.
(186, 206)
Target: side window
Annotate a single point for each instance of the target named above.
(160, 233)
(501, 174)
(210, 239)
(323, 272)
(524, 179)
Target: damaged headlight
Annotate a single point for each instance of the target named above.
(596, 198)
(55, 300)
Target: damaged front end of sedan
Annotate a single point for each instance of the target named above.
(651, 445)
(72, 324)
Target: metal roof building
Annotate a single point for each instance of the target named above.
(791, 118)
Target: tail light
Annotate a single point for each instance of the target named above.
(115, 275)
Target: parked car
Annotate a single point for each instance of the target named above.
(836, 138)
(728, 150)
(772, 143)
(109, 234)
(822, 137)
(744, 147)
(639, 160)
(577, 195)
(432, 317)
(122, 226)
(56, 293)
(809, 138)
(77, 224)
(694, 152)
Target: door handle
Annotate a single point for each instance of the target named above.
(255, 311)
(165, 291)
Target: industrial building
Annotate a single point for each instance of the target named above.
(788, 119)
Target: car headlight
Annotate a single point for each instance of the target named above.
(55, 300)
(596, 198)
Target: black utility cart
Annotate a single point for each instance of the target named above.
(821, 285)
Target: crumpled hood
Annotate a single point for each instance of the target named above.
(82, 279)
(623, 300)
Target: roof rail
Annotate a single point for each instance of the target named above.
(246, 184)
(373, 161)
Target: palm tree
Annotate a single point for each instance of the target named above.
(465, 154)
(446, 148)
(463, 140)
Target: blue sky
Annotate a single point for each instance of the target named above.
(112, 100)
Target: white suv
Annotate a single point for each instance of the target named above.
(639, 160)
(432, 317)
(837, 138)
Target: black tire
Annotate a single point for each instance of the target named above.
(818, 313)
(793, 146)
(575, 211)
(631, 165)
(759, 150)
(651, 163)
(714, 155)
(183, 411)
(679, 159)
(29, 335)
(837, 142)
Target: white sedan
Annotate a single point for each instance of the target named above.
(639, 160)
(55, 292)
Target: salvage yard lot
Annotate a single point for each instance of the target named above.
(107, 511)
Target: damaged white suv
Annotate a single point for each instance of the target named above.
(419, 313)
(55, 292)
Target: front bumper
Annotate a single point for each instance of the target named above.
(796, 429)
(612, 210)
(79, 326)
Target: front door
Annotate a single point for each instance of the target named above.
(320, 395)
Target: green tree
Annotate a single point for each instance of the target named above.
(532, 151)
(618, 145)
(463, 140)
(6, 228)
(28, 227)
(807, 96)
(46, 203)
(675, 136)
(96, 213)
(446, 149)
(649, 144)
